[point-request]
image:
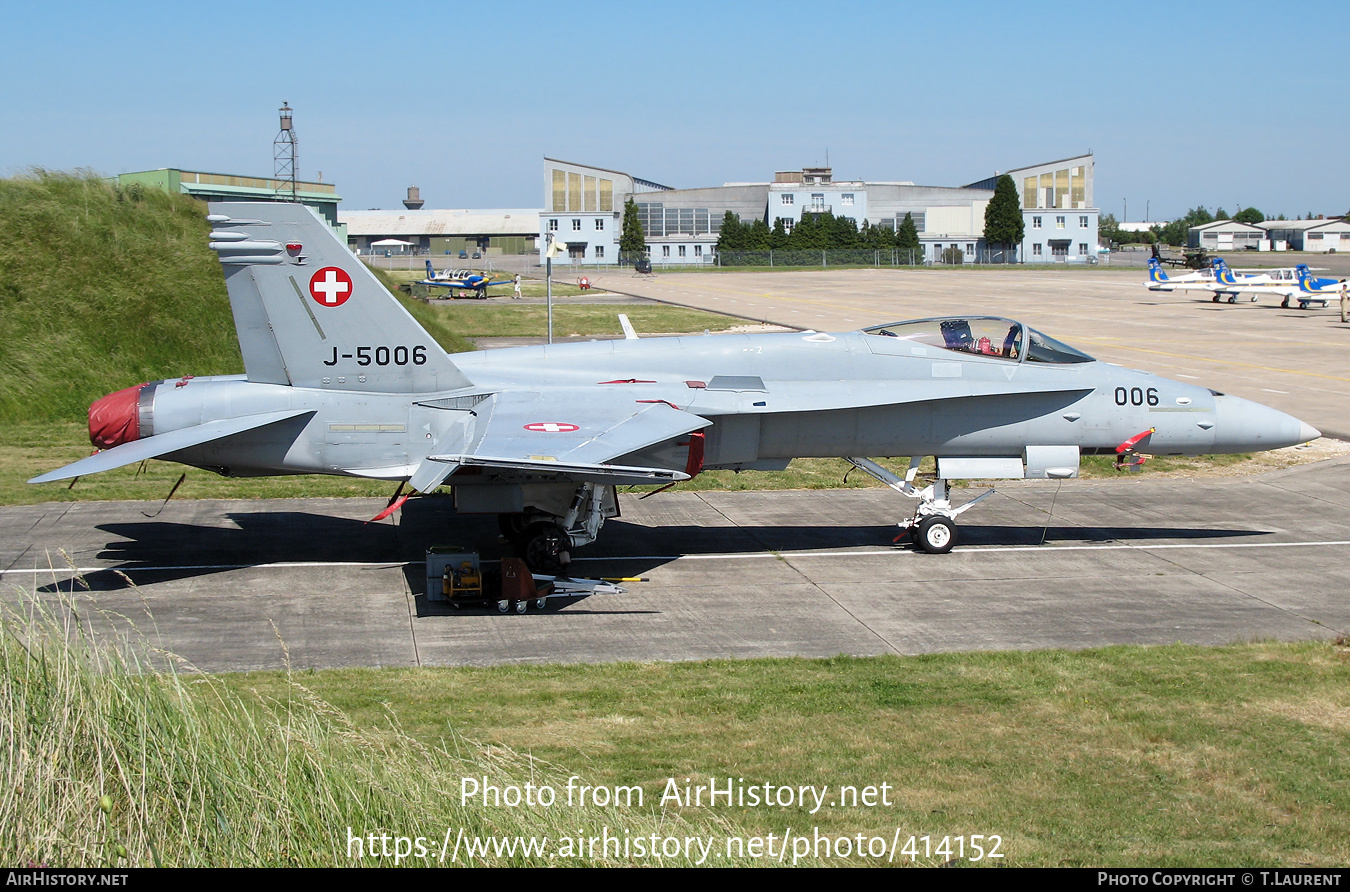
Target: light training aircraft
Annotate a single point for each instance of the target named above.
(1311, 290)
(1223, 282)
(339, 379)
(461, 280)
(1159, 280)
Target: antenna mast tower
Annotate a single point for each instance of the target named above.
(285, 152)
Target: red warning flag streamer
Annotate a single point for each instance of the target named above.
(1132, 442)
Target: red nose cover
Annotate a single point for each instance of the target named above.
(115, 418)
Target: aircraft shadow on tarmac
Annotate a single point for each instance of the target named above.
(152, 551)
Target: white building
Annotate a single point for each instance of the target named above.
(583, 208)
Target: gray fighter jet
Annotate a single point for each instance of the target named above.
(339, 379)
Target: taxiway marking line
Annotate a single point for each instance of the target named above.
(878, 552)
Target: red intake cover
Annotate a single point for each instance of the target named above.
(115, 418)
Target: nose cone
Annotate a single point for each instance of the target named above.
(1244, 426)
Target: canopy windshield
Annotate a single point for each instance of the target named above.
(987, 336)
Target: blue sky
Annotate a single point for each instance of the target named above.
(1182, 103)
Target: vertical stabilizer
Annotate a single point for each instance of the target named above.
(310, 314)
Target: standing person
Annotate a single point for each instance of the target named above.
(516, 282)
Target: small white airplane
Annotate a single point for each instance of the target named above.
(1313, 290)
(1159, 280)
(462, 280)
(1221, 281)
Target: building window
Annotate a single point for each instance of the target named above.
(818, 202)
(1082, 222)
(846, 199)
(576, 225)
(970, 248)
(1059, 222)
(1036, 249)
(599, 252)
(698, 250)
(665, 250)
(787, 224)
(1035, 222)
(1082, 248)
(599, 224)
(552, 225)
(681, 250)
(788, 198)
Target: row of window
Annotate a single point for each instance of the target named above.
(1059, 250)
(576, 224)
(818, 199)
(665, 250)
(1059, 222)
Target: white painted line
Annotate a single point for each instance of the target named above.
(876, 552)
(1268, 390)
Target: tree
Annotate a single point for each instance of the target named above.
(1003, 224)
(632, 241)
(1249, 215)
(907, 239)
(733, 236)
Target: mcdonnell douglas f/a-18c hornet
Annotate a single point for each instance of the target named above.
(340, 379)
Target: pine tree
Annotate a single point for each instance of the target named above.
(632, 241)
(907, 240)
(1003, 224)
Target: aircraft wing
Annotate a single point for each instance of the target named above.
(537, 433)
(162, 444)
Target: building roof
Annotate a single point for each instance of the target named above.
(1227, 224)
(504, 221)
(1269, 225)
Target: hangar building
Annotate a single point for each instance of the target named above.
(583, 208)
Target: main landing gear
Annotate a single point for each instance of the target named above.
(933, 526)
(545, 540)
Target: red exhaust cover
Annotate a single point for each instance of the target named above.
(115, 418)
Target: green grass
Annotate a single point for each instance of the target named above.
(111, 763)
(1164, 756)
(103, 288)
(477, 320)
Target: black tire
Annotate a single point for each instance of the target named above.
(541, 543)
(512, 526)
(935, 535)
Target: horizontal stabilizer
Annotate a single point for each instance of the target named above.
(162, 444)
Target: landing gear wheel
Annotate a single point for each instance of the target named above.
(539, 603)
(935, 535)
(503, 606)
(1216, 298)
(1285, 303)
(542, 543)
(521, 605)
(511, 525)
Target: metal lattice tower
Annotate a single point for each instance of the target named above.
(285, 152)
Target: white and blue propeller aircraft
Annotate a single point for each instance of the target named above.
(461, 280)
(340, 379)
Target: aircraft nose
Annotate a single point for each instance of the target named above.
(1244, 426)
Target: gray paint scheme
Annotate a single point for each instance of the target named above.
(340, 379)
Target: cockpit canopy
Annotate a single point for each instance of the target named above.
(987, 336)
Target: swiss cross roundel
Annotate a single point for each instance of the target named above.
(551, 427)
(330, 287)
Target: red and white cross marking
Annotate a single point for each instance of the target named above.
(330, 287)
(551, 427)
